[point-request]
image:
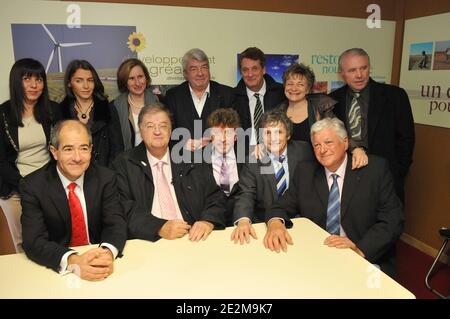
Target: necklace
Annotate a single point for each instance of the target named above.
(133, 104)
(80, 110)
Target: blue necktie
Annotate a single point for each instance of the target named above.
(334, 208)
(281, 177)
(257, 116)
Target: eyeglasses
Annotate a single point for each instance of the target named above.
(159, 127)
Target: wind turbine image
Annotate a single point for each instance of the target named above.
(57, 47)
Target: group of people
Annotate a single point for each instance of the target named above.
(89, 171)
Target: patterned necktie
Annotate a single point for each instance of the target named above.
(334, 208)
(166, 203)
(354, 117)
(257, 115)
(224, 179)
(79, 234)
(280, 176)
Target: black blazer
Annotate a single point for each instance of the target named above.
(390, 127)
(371, 213)
(107, 138)
(179, 101)
(46, 220)
(198, 196)
(258, 189)
(273, 97)
(9, 174)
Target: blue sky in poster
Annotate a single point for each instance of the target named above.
(417, 48)
(108, 46)
(276, 64)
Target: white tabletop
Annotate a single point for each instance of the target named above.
(215, 268)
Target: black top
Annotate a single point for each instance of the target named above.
(300, 131)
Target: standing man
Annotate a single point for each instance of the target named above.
(263, 181)
(72, 203)
(164, 198)
(256, 93)
(196, 98)
(359, 208)
(378, 116)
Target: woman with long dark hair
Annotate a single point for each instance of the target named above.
(26, 120)
(86, 101)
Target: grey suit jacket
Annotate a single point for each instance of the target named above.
(257, 182)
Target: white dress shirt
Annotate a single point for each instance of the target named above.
(167, 169)
(199, 103)
(252, 106)
(216, 160)
(80, 193)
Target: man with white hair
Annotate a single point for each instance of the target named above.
(359, 208)
(196, 98)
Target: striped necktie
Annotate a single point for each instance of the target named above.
(257, 115)
(280, 176)
(334, 208)
(354, 117)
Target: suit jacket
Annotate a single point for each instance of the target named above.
(273, 97)
(371, 213)
(46, 219)
(390, 127)
(258, 190)
(179, 102)
(9, 173)
(198, 196)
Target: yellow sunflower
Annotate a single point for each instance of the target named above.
(136, 42)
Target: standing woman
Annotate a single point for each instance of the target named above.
(86, 101)
(133, 81)
(26, 120)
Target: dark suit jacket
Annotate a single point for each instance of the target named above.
(258, 190)
(179, 101)
(273, 97)
(371, 213)
(46, 220)
(198, 196)
(390, 127)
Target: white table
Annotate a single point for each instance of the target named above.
(215, 268)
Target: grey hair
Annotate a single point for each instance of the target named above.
(352, 51)
(195, 54)
(333, 123)
(56, 131)
(153, 108)
(274, 117)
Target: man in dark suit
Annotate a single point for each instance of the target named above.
(256, 93)
(194, 100)
(378, 116)
(162, 196)
(359, 208)
(263, 181)
(72, 203)
(221, 155)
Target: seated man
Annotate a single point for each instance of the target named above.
(72, 203)
(222, 152)
(263, 181)
(162, 196)
(370, 219)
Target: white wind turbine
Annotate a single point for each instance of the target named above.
(57, 47)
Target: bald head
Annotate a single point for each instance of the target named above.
(68, 125)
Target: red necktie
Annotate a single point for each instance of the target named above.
(79, 235)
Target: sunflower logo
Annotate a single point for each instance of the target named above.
(136, 42)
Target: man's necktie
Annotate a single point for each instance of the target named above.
(257, 116)
(79, 234)
(334, 208)
(224, 179)
(354, 118)
(280, 176)
(166, 202)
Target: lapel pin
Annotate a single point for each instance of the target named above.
(143, 163)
